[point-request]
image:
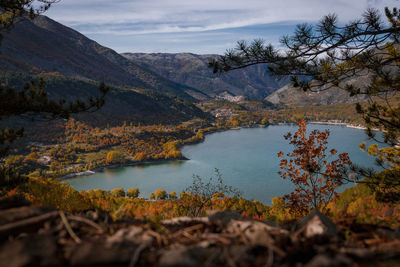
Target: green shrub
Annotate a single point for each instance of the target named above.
(173, 195)
(49, 192)
(161, 194)
(133, 192)
(218, 195)
(114, 157)
(118, 192)
(352, 194)
(97, 193)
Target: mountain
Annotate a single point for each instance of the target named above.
(46, 46)
(73, 65)
(254, 82)
(296, 96)
(290, 95)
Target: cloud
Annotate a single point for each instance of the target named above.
(205, 12)
(161, 17)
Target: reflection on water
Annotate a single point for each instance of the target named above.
(247, 159)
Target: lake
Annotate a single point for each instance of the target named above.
(246, 158)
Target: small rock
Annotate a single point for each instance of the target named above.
(98, 254)
(94, 215)
(31, 250)
(185, 220)
(317, 223)
(132, 234)
(184, 257)
(222, 218)
(323, 260)
(255, 232)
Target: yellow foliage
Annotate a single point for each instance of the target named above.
(133, 192)
(160, 194)
(218, 195)
(33, 156)
(200, 135)
(173, 195)
(140, 156)
(235, 123)
(279, 211)
(169, 146)
(175, 154)
(118, 192)
(114, 157)
(48, 192)
(264, 121)
(373, 150)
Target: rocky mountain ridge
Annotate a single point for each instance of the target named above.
(291, 95)
(192, 70)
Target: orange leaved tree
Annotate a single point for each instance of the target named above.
(311, 168)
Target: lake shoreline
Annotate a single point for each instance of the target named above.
(360, 127)
(114, 166)
(246, 158)
(348, 125)
(132, 164)
(183, 158)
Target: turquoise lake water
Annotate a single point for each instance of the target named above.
(246, 158)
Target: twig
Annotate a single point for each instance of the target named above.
(87, 221)
(34, 220)
(270, 260)
(156, 235)
(228, 258)
(136, 255)
(189, 236)
(188, 229)
(68, 227)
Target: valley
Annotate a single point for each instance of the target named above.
(157, 103)
(266, 155)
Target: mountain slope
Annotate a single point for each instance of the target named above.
(192, 70)
(43, 45)
(295, 96)
(145, 106)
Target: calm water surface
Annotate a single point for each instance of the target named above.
(246, 158)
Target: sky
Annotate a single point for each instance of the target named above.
(197, 26)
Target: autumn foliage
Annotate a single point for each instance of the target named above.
(114, 157)
(308, 167)
(356, 203)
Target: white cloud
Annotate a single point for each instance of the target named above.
(205, 13)
(159, 17)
